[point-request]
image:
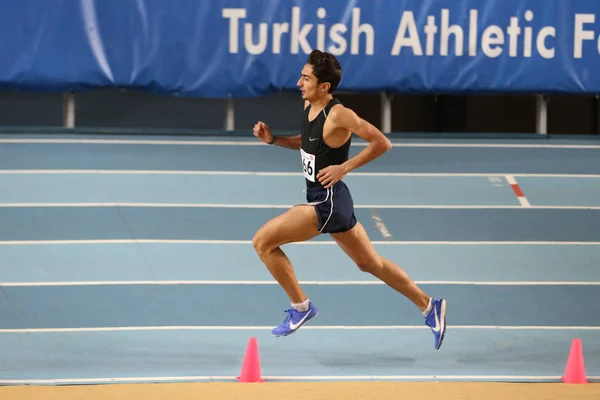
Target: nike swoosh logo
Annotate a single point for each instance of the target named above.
(437, 327)
(310, 139)
(295, 326)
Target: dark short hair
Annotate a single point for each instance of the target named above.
(326, 68)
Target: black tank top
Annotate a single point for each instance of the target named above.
(316, 155)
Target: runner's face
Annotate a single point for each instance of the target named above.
(309, 87)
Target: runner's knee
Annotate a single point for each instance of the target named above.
(370, 265)
(261, 243)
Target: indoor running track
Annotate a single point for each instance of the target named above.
(129, 259)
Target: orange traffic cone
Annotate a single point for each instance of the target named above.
(251, 366)
(575, 369)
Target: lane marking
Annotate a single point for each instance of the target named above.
(272, 282)
(311, 327)
(515, 186)
(379, 224)
(378, 220)
(259, 143)
(266, 173)
(68, 381)
(496, 181)
(308, 243)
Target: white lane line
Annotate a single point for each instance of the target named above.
(271, 282)
(258, 143)
(265, 173)
(158, 379)
(286, 206)
(312, 327)
(309, 243)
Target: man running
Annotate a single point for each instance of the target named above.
(324, 146)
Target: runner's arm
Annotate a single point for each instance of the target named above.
(263, 132)
(378, 142)
(288, 142)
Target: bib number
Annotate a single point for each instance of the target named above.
(308, 165)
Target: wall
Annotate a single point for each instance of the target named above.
(283, 111)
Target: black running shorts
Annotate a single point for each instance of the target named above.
(334, 206)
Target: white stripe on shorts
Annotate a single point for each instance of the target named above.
(330, 190)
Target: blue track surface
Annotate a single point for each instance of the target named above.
(207, 354)
(224, 262)
(174, 305)
(68, 223)
(136, 274)
(265, 158)
(277, 190)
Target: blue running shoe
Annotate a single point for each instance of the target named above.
(294, 320)
(436, 320)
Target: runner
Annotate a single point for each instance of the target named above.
(324, 146)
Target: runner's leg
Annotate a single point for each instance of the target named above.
(298, 224)
(356, 244)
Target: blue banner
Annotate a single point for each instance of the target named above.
(244, 48)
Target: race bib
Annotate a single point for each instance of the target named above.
(308, 165)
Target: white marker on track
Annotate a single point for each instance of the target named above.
(515, 186)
